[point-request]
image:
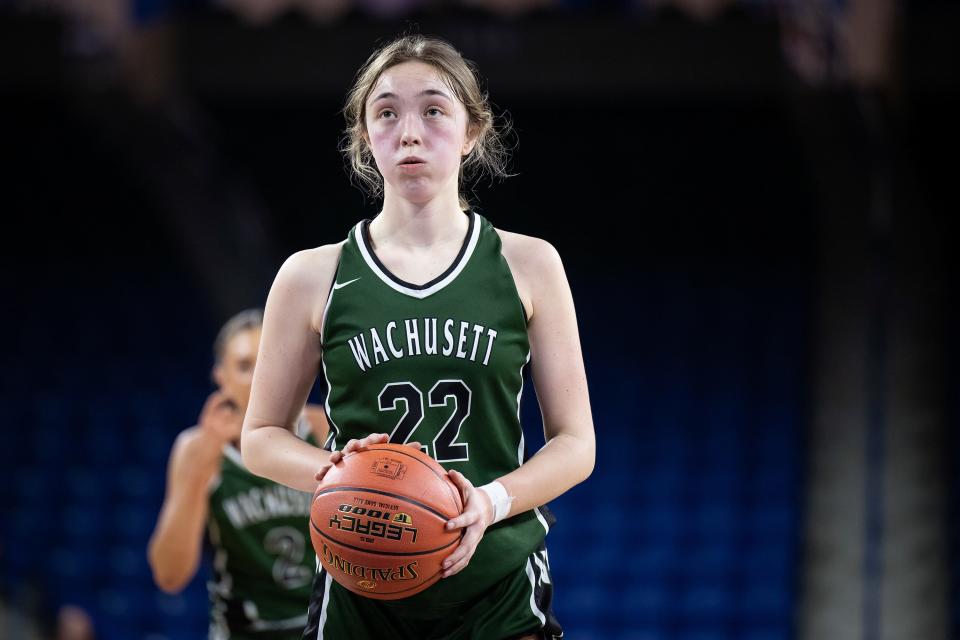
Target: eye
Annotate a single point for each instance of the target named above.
(387, 113)
(434, 111)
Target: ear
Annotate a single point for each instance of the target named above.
(473, 134)
(217, 375)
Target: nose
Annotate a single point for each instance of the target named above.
(410, 133)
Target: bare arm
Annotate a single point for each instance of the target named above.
(556, 363)
(568, 456)
(287, 365)
(175, 546)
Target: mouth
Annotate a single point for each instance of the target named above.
(411, 161)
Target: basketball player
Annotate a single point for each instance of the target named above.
(422, 321)
(264, 561)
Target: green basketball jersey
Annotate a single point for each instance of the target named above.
(441, 364)
(263, 558)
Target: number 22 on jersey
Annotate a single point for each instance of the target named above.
(445, 447)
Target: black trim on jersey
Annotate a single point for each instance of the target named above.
(548, 515)
(312, 630)
(543, 596)
(333, 433)
(379, 551)
(368, 243)
(326, 303)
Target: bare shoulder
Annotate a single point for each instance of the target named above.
(528, 254)
(310, 267)
(188, 441)
(533, 262)
(531, 259)
(307, 275)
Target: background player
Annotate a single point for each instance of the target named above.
(263, 561)
(427, 316)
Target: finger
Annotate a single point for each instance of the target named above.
(220, 401)
(415, 445)
(212, 400)
(453, 559)
(462, 551)
(458, 566)
(468, 544)
(226, 414)
(465, 519)
(222, 408)
(226, 402)
(464, 485)
(471, 537)
(459, 479)
(214, 397)
(320, 474)
(357, 445)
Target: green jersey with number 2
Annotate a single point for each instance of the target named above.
(263, 558)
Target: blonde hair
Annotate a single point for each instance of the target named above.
(243, 321)
(489, 155)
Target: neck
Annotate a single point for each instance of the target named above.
(419, 224)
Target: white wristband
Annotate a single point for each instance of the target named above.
(499, 499)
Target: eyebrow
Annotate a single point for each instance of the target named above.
(425, 92)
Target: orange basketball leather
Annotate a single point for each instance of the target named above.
(377, 521)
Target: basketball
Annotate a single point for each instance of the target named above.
(377, 521)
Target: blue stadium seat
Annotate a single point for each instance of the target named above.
(717, 520)
(35, 486)
(643, 631)
(104, 442)
(129, 564)
(706, 632)
(705, 602)
(650, 561)
(71, 565)
(83, 525)
(775, 632)
(86, 486)
(29, 529)
(770, 600)
(137, 484)
(133, 522)
(712, 560)
(646, 601)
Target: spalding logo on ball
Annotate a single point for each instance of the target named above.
(377, 521)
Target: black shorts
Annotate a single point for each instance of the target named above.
(517, 606)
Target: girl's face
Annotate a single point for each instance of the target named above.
(417, 131)
(234, 373)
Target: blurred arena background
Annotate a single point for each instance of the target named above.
(752, 199)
